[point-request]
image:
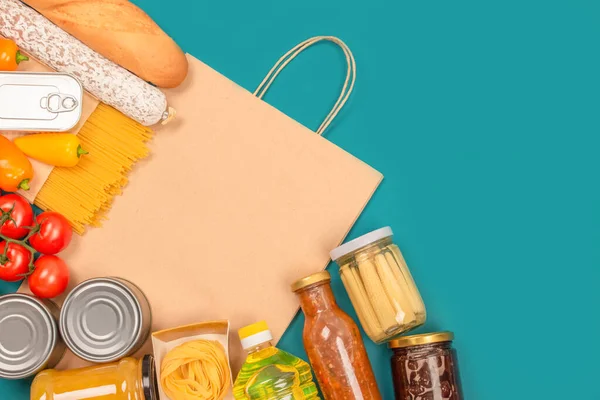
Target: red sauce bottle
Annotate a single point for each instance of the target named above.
(333, 343)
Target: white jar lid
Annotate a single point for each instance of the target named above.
(361, 241)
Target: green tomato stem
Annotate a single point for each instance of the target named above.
(22, 243)
(7, 216)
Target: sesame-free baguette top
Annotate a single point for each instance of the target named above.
(121, 32)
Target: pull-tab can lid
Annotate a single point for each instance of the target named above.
(31, 101)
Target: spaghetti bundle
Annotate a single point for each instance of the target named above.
(196, 370)
(85, 192)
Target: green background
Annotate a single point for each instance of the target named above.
(483, 117)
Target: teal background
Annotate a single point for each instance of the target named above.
(483, 117)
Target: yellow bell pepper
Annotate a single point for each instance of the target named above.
(58, 149)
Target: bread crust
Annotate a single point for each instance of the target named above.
(121, 32)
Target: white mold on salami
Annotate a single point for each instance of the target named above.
(104, 79)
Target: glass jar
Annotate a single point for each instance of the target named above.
(380, 286)
(333, 343)
(128, 379)
(424, 367)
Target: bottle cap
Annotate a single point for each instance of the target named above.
(422, 339)
(255, 334)
(360, 242)
(311, 280)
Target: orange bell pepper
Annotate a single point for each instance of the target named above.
(15, 168)
(10, 56)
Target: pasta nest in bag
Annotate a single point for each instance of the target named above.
(196, 370)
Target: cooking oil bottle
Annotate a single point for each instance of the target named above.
(270, 373)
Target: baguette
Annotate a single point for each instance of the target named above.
(121, 32)
(104, 79)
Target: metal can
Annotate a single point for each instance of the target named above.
(29, 338)
(31, 101)
(105, 319)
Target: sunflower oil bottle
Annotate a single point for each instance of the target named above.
(270, 373)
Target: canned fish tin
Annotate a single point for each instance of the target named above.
(29, 338)
(105, 319)
(32, 101)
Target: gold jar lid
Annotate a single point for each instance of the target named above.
(419, 340)
(311, 280)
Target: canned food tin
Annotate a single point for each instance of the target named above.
(29, 338)
(39, 101)
(105, 319)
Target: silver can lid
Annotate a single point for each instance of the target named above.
(39, 101)
(28, 334)
(101, 320)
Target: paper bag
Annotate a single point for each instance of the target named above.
(236, 202)
(166, 340)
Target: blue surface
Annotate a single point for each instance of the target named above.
(484, 118)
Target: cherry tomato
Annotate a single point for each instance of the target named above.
(54, 235)
(50, 277)
(22, 216)
(15, 264)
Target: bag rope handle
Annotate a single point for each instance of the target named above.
(293, 53)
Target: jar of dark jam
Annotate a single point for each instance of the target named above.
(425, 367)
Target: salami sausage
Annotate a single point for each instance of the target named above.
(104, 79)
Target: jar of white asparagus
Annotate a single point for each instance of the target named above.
(380, 286)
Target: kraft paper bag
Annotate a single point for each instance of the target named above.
(236, 202)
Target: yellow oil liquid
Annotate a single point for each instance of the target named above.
(273, 374)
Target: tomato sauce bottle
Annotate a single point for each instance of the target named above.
(333, 343)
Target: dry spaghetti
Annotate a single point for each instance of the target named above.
(196, 370)
(85, 192)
